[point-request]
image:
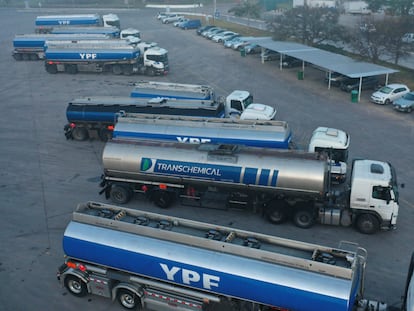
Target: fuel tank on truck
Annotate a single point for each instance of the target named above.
(287, 274)
(266, 134)
(217, 165)
(88, 54)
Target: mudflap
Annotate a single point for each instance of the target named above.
(68, 131)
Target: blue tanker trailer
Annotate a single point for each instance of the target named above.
(113, 32)
(196, 130)
(33, 46)
(88, 116)
(48, 23)
(158, 262)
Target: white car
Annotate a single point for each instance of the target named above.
(388, 93)
(180, 21)
(171, 18)
(256, 111)
(220, 37)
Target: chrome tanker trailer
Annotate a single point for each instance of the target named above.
(281, 184)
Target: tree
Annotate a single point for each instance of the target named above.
(382, 38)
(307, 25)
(247, 9)
(394, 7)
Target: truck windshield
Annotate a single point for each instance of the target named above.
(338, 155)
(114, 23)
(158, 58)
(248, 101)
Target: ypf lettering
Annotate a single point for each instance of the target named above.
(87, 55)
(193, 140)
(190, 277)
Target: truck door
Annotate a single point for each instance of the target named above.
(382, 202)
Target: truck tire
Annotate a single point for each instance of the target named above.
(367, 224)
(120, 194)
(17, 57)
(71, 69)
(25, 57)
(34, 57)
(80, 133)
(162, 198)
(127, 69)
(117, 70)
(75, 286)
(277, 212)
(51, 68)
(127, 299)
(105, 134)
(303, 218)
(151, 72)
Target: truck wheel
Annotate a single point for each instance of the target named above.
(277, 214)
(80, 133)
(75, 286)
(105, 134)
(303, 219)
(71, 69)
(162, 198)
(120, 194)
(17, 56)
(127, 69)
(151, 72)
(34, 57)
(127, 299)
(117, 70)
(367, 224)
(51, 68)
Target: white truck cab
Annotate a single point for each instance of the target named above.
(374, 188)
(156, 58)
(111, 20)
(335, 144)
(130, 33)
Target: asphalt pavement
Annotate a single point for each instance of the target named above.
(44, 176)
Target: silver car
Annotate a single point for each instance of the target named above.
(404, 103)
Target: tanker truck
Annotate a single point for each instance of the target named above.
(95, 57)
(267, 134)
(33, 46)
(281, 185)
(158, 262)
(48, 23)
(238, 104)
(97, 114)
(151, 89)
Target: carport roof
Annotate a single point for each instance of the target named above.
(326, 60)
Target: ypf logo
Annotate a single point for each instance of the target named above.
(147, 164)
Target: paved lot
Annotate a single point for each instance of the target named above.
(44, 176)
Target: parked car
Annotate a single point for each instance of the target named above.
(229, 42)
(388, 93)
(256, 111)
(405, 103)
(201, 29)
(352, 84)
(269, 55)
(212, 33)
(180, 21)
(252, 48)
(210, 30)
(171, 18)
(162, 15)
(220, 37)
(336, 78)
(408, 38)
(291, 62)
(190, 24)
(238, 45)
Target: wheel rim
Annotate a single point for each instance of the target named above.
(127, 300)
(75, 286)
